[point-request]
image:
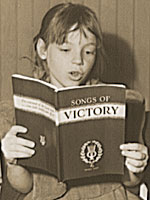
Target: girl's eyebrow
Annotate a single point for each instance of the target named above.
(90, 43)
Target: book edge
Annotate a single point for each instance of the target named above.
(19, 76)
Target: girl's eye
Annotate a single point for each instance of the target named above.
(88, 52)
(65, 50)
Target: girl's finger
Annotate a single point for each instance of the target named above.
(11, 142)
(134, 155)
(18, 155)
(133, 168)
(133, 147)
(20, 148)
(25, 142)
(18, 151)
(16, 129)
(136, 163)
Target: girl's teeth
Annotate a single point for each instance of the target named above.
(75, 73)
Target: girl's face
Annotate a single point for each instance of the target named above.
(70, 63)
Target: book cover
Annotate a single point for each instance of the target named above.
(77, 130)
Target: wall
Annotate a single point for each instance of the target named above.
(126, 27)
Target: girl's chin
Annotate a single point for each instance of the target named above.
(68, 83)
(72, 84)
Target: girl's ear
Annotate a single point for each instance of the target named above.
(41, 49)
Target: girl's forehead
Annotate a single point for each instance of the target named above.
(80, 35)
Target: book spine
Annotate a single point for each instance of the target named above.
(58, 152)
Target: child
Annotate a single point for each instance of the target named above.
(68, 48)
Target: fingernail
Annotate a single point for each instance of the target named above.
(33, 144)
(25, 129)
(33, 152)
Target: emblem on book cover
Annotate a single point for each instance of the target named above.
(42, 140)
(91, 153)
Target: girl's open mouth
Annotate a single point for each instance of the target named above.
(75, 75)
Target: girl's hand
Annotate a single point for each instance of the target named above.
(136, 156)
(16, 147)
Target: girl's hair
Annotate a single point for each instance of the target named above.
(55, 26)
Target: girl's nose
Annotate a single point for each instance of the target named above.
(77, 58)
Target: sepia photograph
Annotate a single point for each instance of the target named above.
(74, 99)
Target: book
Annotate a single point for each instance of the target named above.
(77, 130)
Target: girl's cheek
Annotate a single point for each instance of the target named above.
(90, 62)
(90, 59)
